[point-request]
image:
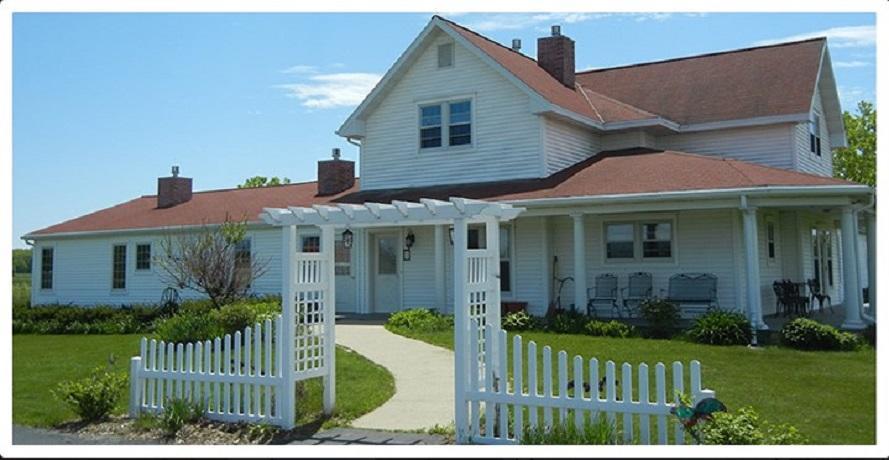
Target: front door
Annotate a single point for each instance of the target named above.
(386, 286)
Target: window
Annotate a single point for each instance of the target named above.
(770, 239)
(459, 123)
(505, 260)
(430, 126)
(243, 260)
(619, 241)
(119, 267)
(657, 240)
(445, 55)
(46, 261)
(311, 243)
(458, 115)
(143, 257)
(815, 134)
(342, 258)
(474, 240)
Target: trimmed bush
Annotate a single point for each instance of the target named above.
(722, 328)
(68, 319)
(609, 329)
(420, 320)
(566, 322)
(94, 397)
(517, 321)
(188, 326)
(808, 334)
(661, 317)
(237, 316)
(745, 428)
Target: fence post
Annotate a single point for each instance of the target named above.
(329, 277)
(135, 386)
(286, 344)
(492, 296)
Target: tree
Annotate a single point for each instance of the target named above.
(262, 181)
(858, 161)
(21, 261)
(215, 261)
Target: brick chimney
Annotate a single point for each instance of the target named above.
(555, 54)
(336, 175)
(173, 190)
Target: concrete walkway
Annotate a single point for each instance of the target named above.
(424, 378)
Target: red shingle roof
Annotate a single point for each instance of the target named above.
(635, 171)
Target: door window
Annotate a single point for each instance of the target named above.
(386, 256)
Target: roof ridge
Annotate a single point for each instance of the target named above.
(704, 55)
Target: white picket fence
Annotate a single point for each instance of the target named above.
(235, 378)
(497, 408)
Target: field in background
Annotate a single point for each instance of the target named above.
(21, 289)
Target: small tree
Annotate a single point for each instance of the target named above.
(858, 161)
(215, 261)
(262, 181)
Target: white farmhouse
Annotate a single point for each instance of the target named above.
(718, 164)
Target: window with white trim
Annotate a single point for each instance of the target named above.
(46, 262)
(770, 240)
(119, 267)
(643, 240)
(143, 257)
(815, 134)
(243, 259)
(450, 120)
(445, 55)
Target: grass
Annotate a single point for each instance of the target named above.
(21, 289)
(41, 362)
(829, 396)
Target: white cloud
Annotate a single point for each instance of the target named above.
(333, 90)
(300, 69)
(839, 37)
(513, 21)
(850, 95)
(848, 64)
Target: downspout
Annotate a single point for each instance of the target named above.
(866, 208)
(350, 140)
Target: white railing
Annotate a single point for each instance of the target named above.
(498, 407)
(234, 378)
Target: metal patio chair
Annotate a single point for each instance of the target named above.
(638, 289)
(693, 288)
(605, 291)
(815, 293)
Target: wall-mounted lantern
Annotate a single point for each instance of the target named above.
(451, 235)
(347, 238)
(409, 239)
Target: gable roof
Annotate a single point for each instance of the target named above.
(626, 172)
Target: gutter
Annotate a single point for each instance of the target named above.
(125, 231)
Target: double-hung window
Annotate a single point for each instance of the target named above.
(446, 124)
(770, 240)
(243, 260)
(620, 241)
(46, 261)
(635, 241)
(657, 240)
(119, 267)
(815, 134)
(143, 257)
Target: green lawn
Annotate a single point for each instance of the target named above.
(40, 362)
(829, 396)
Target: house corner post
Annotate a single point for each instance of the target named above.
(329, 276)
(851, 289)
(580, 272)
(751, 250)
(288, 336)
(872, 261)
(461, 330)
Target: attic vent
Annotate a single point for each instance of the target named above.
(445, 55)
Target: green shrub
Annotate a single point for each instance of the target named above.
(188, 327)
(517, 321)
(599, 432)
(745, 428)
(420, 320)
(237, 316)
(566, 322)
(178, 413)
(609, 329)
(94, 397)
(808, 334)
(660, 316)
(719, 327)
(69, 319)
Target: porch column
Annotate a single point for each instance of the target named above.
(751, 247)
(851, 289)
(461, 329)
(439, 267)
(872, 261)
(580, 290)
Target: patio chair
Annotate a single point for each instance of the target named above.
(693, 288)
(638, 289)
(605, 291)
(795, 297)
(815, 293)
(782, 308)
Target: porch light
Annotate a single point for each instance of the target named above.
(409, 239)
(451, 235)
(347, 238)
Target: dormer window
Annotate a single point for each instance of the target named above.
(445, 55)
(446, 124)
(815, 134)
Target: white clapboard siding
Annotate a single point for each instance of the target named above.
(808, 161)
(566, 143)
(769, 145)
(506, 135)
(506, 402)
(628, 140)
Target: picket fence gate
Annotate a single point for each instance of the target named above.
(498, 407)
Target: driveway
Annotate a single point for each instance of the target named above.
(424, 378)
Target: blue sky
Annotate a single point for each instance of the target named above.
(103, 104)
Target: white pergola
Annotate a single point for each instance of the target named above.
(308, 288)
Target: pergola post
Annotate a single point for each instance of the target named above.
(327, 249)
(288, 335)
(492, 307)
(751, 247)
(851, 289)
(580, 282)
(461, 329)
(872, 261)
